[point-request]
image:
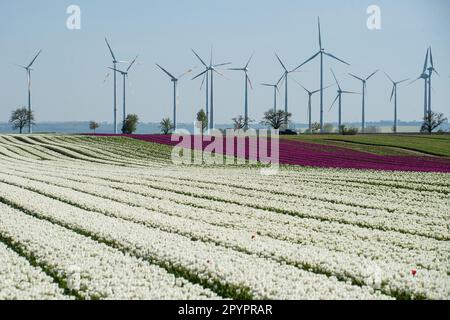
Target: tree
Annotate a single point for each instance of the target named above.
(328, 128)
(202, 121)
(315, 127)
(240, 123)
(166, 126)
(432, 121)
(130, 124)
(20, 118)
(276, 119)
(94, 126)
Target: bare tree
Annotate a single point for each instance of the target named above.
(241, 123)
(94, 126)
(432, 121)
(20, 118)
(276, 119)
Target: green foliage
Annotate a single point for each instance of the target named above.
(349, 131)
(20, 118)
(94, 126)
(328, 128)
(130, 124)
(166, 126)
(202, 121)
(315, 127)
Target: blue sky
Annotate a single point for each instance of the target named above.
(68, 77)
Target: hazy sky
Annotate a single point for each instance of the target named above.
(68, 78)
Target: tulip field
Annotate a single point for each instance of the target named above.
(85, 217)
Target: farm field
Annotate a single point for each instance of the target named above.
(113, 218)
(323, 152)
(438, 145)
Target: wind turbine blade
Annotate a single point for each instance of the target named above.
(166, 72)
(431, 58)
(426, 61)
(414, 80)
(249, 60)
(389, 77)
(185, 73)
(356, 77)
(21, 66)
(281, 79)
(295, 80)
(250, 82)
(337, 82)
(336, 58)
(392, 94)
(110, 50)
(267, 85)
(320, 34)
(403, 81)
(198, 57)
(222, 64)
(199, 75)
(106, 77)
(117, 70)
(350, 92)
(374, 73)
(220, 74)
(203, 81)
(236, 69)
(31, 63)
(313, 57)
(211, 57)
(314, 92)
(332, 105)
(282, 64)
(132, 63)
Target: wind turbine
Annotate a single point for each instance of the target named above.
(125, 77)
(430, 69)
(29, 69)
(115, 62)
(247, 82)
(424, 76)
(394, 95)
(321, 52)
(364, 85)
(211, 69)
(285, 78)
(175, 94)
(275, 91)
(310, 95)
(339, 97)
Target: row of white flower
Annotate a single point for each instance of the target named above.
(224, 269)
(21, 281)
(89, 269)
(308, 207)
(138, 152)
(393, 245)
(382, 198)
(393, 264)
